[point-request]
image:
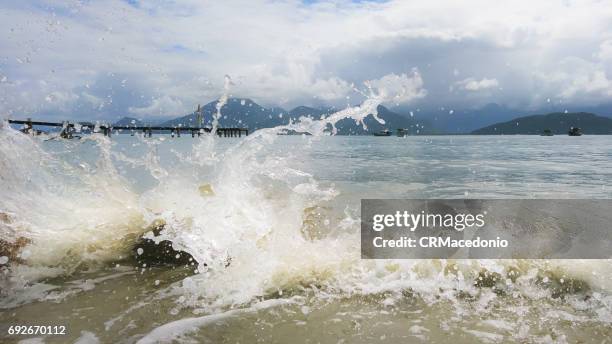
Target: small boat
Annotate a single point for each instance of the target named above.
(575, 131)
(401, 132)
(385, 132)
(547, 132)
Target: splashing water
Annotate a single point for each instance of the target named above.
(204, 153)
(264, 231)
(242, 222)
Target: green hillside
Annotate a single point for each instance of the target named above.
(558, 123)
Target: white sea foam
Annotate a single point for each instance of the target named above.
(172, 330)
(262, 227)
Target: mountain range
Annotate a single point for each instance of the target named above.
(491, 119)
(241, 112)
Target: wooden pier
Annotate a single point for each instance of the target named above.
(69, 129)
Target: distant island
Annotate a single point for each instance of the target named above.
(558, 123)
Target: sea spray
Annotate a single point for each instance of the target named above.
(250, 235)
(72, 214)
(255, 218)
(204, 153)
(221, 103)
(270, 229)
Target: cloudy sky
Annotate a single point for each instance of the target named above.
(150, 59)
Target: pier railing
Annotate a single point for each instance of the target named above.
(69, 128)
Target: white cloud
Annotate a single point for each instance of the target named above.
(399, 89)
(472, 84)
(159, 107)
(96, 102)
(60, 99)
(605, 51)
(175, 54)
(575, 78)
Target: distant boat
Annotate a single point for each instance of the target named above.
(385, 132)
(547, 132)
(575, 132)
(401, 132)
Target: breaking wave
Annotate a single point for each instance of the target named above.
(257, 226)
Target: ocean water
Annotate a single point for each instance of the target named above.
(272, 223)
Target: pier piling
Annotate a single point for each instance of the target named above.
(68, 128)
